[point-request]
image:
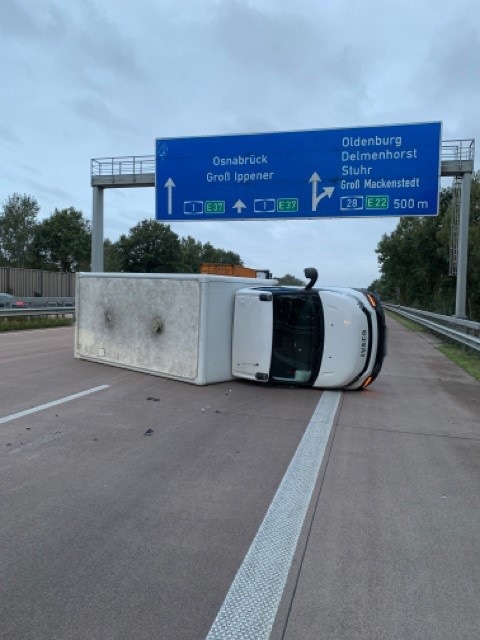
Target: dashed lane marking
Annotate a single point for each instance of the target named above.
(54, 403)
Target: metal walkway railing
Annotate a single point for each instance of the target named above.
(122, 165)
(458, 149)
(457, 157)
(123, 171)
(140, 170)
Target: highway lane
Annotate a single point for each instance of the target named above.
(394, 548)
(110, 533)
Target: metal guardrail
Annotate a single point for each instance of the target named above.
(31, 312)
(465, 332)
(19, 302)
(40, 303)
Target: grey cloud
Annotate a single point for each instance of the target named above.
(99, 42)
(447, 83)
(42, 20)
(300, 52)
(78, 41)
(457, 64)
(41, 189)
(9, 136)
(95, 110)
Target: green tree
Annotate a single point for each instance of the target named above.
(212, 254)
(112, 257)
(62, 242)
(191, 251)
(150, 247)
(290, 281)
(194, 253)
(17, 228)
(473, 283)
(414, 259)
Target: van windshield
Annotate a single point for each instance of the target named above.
(297, 337)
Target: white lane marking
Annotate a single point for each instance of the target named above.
(54, 403)
(251, 604)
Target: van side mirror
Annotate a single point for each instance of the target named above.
(312, 274)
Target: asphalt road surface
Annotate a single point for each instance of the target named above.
(135, 507)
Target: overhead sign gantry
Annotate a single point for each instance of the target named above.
(390, 170)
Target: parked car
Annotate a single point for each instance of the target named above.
(8, 301)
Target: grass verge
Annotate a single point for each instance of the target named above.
(464, 357)
(467, 359)
(35, 323)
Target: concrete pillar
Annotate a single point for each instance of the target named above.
(97, 230)
(462, 262)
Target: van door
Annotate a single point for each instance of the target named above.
(252, 334)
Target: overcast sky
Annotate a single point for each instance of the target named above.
(84, 79)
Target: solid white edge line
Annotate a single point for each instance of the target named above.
(249, 609)
(54, 403)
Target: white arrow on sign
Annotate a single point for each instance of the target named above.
(327, 191)
(239, 205)
(169, 184)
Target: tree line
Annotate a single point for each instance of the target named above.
(414, 260)
(62, 242)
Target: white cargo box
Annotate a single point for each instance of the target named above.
(173, 325)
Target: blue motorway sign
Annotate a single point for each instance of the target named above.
(389, 170)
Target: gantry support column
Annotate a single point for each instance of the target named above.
(462, 262)
(97, 230)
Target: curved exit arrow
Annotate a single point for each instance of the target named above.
(327, 191)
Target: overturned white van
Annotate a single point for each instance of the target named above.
(329, 337)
